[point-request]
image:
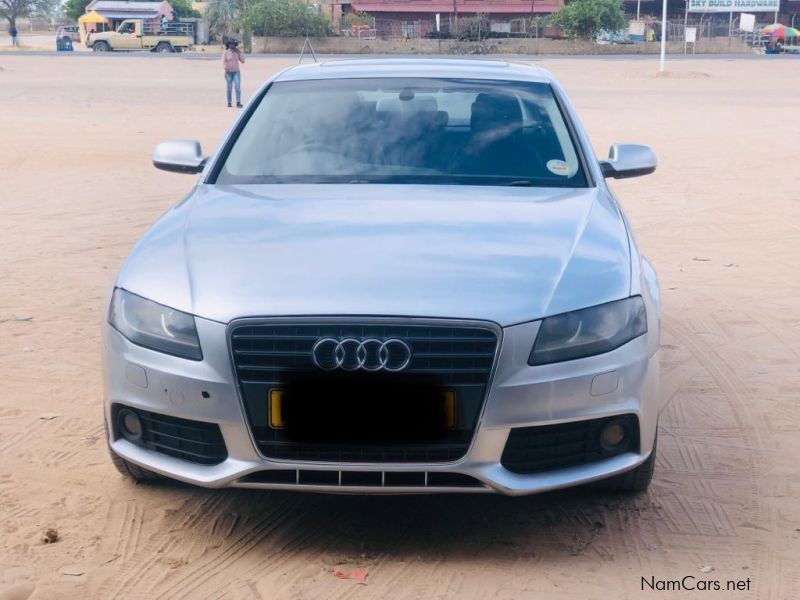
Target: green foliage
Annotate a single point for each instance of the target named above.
(584, 19)
(284, 18)
(222, 17)
(73, 9)
(354, 19)
(183, 8)
(12, 9)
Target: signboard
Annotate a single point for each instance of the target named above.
(636, 28)
(747, 22)
(691, 35)
(636, 31)
(726, 6)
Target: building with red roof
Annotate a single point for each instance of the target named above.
(418, 18)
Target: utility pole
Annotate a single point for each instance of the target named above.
(455, 17)
(664, 36)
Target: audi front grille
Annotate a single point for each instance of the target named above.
(269, 356)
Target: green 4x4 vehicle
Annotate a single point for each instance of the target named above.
(135, 34)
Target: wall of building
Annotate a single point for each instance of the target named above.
(344, 45)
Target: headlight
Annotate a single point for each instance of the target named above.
(589, 331)
(154, 325)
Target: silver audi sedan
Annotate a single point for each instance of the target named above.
(393, 276)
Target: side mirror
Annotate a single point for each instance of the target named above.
(179, 156)
(628, 160)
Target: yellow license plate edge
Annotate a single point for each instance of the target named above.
(449, 398)
(275, 409)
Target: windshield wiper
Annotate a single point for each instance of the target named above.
(520, 183)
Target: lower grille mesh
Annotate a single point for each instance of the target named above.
(552, 447)
(361, 453)
(194, 441)
(374, 479)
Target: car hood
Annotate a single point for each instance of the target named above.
(504, 254)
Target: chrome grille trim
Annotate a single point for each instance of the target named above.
(487, 326)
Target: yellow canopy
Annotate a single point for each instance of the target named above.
(92, 17)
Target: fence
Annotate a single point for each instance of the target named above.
(718, 26)
(472, 28)
(26, 25)
(479, 28)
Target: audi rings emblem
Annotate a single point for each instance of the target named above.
(351, 354)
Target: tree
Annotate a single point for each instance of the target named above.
(584, 19)
(10, 10)
(357, 19)
(284, 18)
(475, 28)
(73, 9)
(222, 17)
(183, 8)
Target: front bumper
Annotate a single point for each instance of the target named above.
(624, 381)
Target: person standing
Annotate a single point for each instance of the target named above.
(13, 33)
(231, 58)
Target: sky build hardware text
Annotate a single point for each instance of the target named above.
(691, 583)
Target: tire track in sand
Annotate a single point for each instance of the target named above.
(160, 542)
(717, 365)
(210, 566)
(136, 559)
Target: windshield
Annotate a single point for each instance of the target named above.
(425, 131)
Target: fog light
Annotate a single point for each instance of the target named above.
(613, 435)
(130, 425)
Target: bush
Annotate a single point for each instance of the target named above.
(474, 29)
(584, 19)
(74, 9)
(357, 19)
(284, 18)
(183, 8)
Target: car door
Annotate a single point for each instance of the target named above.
(129, 36)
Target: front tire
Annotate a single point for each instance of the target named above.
(635, 480)
(101, 47)
(132, 471)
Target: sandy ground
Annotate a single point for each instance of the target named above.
(719, 220)
(39, 41)
(33, 41)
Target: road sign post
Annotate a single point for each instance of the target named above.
(663, 37)
(689, 37)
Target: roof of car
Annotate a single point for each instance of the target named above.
(417, 67)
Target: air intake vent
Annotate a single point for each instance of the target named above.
(364, 479)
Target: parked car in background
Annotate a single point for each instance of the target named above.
(394, 276)
(136, 34)
(70, 31)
